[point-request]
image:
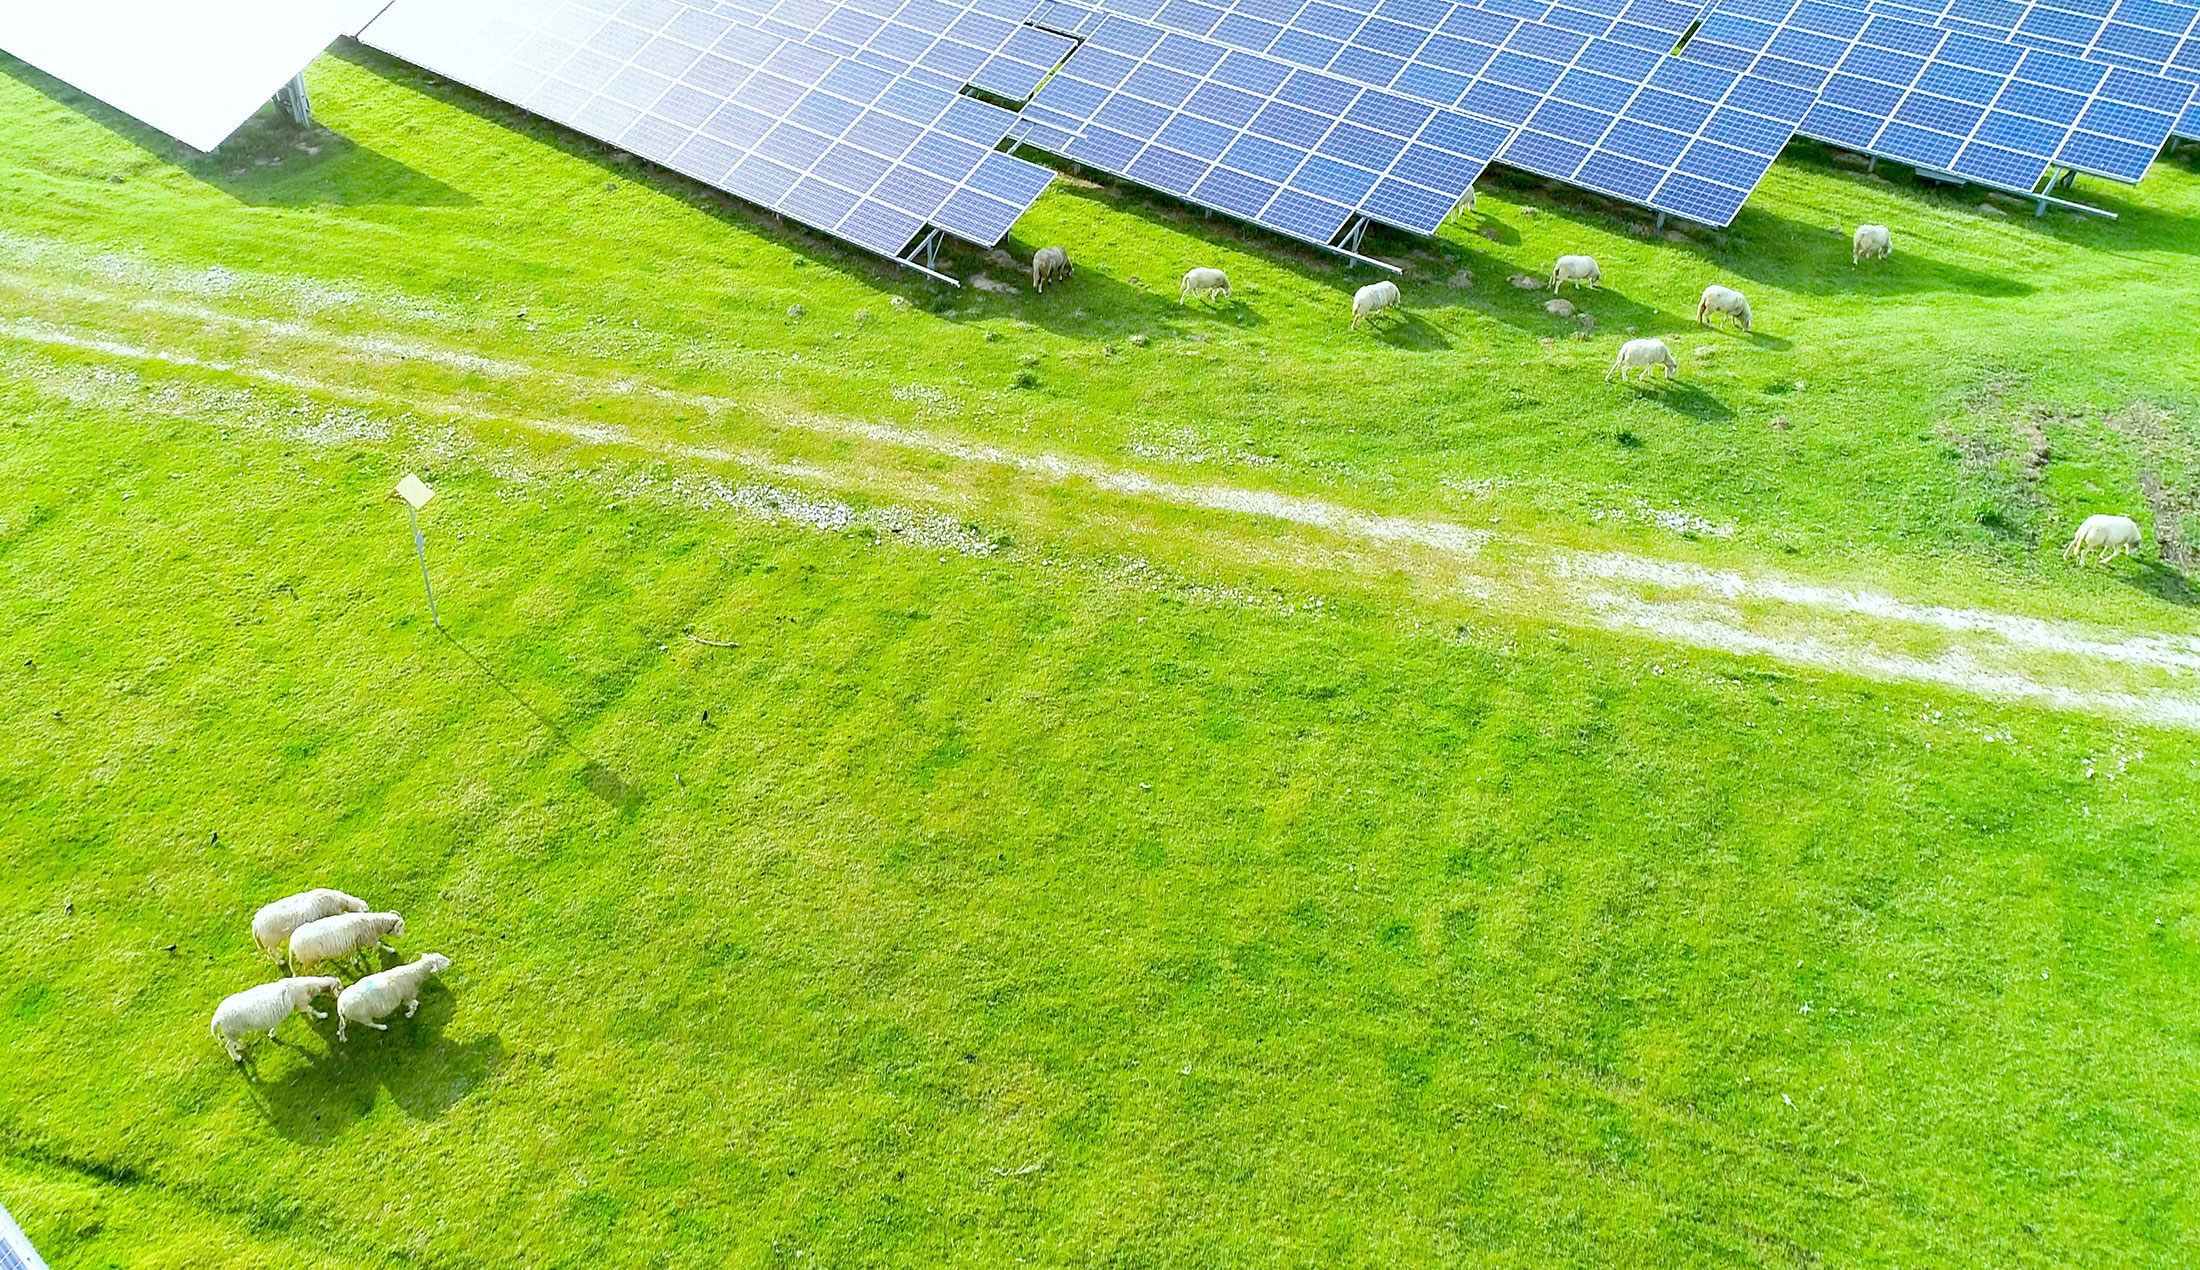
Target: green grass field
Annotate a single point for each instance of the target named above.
(963, 779)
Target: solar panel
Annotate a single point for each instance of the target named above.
(867, 140)
(2156, 37)
(194, 71)
(1296, 150)
(16, 1252)
(1988, 110)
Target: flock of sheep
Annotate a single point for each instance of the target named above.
(310, 930)
(2109, 535)
(1870, 242)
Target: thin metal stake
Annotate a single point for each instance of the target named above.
(420, 546)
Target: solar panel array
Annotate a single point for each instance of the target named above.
(2160, 37)
(1986, 110)
(866, 140)
(1297, 150)
(1311, 116)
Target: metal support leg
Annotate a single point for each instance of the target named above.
(1871, 163)
(292, 97)
(1353, 233)
(1661, 220)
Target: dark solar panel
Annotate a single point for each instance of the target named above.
(868, 140)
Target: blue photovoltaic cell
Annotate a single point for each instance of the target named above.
(1296, 148)
(843, 116)
(2157, 38)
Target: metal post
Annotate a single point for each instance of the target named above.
(1661, 220)
(292, 97)
(421, 547)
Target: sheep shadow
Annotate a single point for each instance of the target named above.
(1407, 330)
(316, 1100)
(269, 161)
(2163, 582)
(1682, 398)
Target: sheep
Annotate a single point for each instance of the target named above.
(1050, 264)
(266, 1006)
(376, 995)
(1718, 299)
(1465, 204)
(1373, 299)
(1208, 283)
(2114, 535)
(271, 926)
(1644, 353)
(334, 938)
(1579, 270)
(1872, 242)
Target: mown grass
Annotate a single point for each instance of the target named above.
(976, 894)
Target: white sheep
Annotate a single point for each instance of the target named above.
(375, 996)
(266, 1006)
(1372, 299)
(1726, 300)
(335, 938)
(271, 926)
(1206, 284)
(2113, 535)
(1465, 204)
(1579, 270)
(1050, 264)
(1643, 353)
(1872, 242)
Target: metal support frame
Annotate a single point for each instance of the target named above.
(1354, 230)
(292, 97)
(1661, 221)
(924, 256)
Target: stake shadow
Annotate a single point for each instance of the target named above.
(597, 776)
(426, 1073)
(269, 161)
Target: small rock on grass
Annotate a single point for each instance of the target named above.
(1706, 351)
(795, 312)
(1779, 423)
(1588, 321)
(1988, 209)
(1489, 232)
(1463, 280)
(1140, 341)
(1559, 308)
(1000, 259)
(1526, 283)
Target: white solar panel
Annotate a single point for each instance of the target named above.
(16, 1252)
(195, 69)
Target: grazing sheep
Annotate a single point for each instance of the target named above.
(271, 926)
(1579, 270)
(266, 1006)
(1050, 264)
(1872, 242)
(2113, 535)
(1718, 299)
(1644, 353)
(1206, 284)
(1373, 299)
(376, 995)
(1465, 203)
(335, 938)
